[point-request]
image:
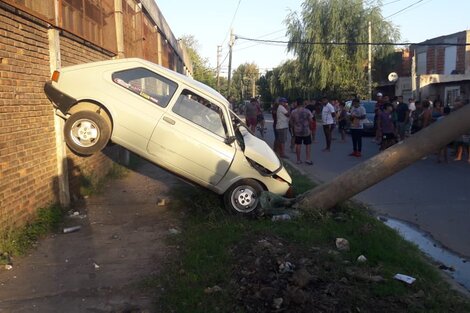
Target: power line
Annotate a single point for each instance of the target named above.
(268, 34)
(256, 44)
(231, 23)
(391, 2)
(383, 4)
(353, 43)
(225, 58)
(406, 8)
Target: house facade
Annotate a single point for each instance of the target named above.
(441, 68)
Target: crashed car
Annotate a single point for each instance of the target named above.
(169, 119)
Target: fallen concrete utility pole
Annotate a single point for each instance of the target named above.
(387, 163)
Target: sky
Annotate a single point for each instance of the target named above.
(209, 21)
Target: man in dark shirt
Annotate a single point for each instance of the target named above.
(403, 114)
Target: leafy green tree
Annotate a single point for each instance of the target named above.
(263, 88)
(201, 69)
(338, 70)
(286, 80)
(244, 80)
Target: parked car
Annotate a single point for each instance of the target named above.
(169, 119)
(369, 106)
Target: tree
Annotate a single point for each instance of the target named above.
(201, 69)
(244, 80)
(263, 88)
(338, 70)
(286, 80)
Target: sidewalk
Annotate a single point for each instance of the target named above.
(97, 269)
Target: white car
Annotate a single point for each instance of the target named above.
(169, 119)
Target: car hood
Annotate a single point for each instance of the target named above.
(259, 151)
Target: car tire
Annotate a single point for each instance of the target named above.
(243, 197)
(86, 132)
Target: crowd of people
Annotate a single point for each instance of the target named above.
(397, 120)
(295, 124)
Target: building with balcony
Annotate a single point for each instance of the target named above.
(441, 68)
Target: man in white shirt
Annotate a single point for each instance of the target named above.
(328, 118)
(411, 108)
(282, 125)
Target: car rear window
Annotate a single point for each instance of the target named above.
(146, 84)
(369, 106)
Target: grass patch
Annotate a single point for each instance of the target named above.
(91, 184)
(19, 240)
(217, 247)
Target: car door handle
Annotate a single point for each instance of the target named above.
(169, 120)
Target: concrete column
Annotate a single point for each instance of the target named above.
(124, 156)
(159, 47)
(467, 54)
(118, 17)
(413, 76)
(61, 152)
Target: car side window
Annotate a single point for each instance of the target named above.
(146, 84)
(201, 112)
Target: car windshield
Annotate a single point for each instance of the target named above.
(201, 112)
(369, 106)
(237, 122)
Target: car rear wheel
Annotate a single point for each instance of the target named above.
(86, 132)
(243, 197)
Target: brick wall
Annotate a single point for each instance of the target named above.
(431, 60)
(28, 162)
(460, 66)
(27, 146)
(97, 165)
(440, 60)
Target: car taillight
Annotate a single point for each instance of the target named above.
(55, 76)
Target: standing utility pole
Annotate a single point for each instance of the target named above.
(219, 51)
(230, 45)
(370, 61)
(413, 75)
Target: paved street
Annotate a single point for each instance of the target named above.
(434, 197)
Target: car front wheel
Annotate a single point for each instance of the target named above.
(243, 197)
(86, 132)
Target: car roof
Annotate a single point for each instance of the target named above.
(125, 63)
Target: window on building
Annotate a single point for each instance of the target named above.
(421, 63)
(450, 60)
(44, 8)
(451, 94)
(90, 19)
(146, 84)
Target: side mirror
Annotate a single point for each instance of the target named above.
(230, 140)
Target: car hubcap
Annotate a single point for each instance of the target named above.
(85, 133)
(244, 199)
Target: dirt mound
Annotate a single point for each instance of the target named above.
(273, 275)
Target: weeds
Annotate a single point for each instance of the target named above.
(213, 243)
(18, 241)
(91, 184)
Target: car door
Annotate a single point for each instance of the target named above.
(140, 96)
(190, 139)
